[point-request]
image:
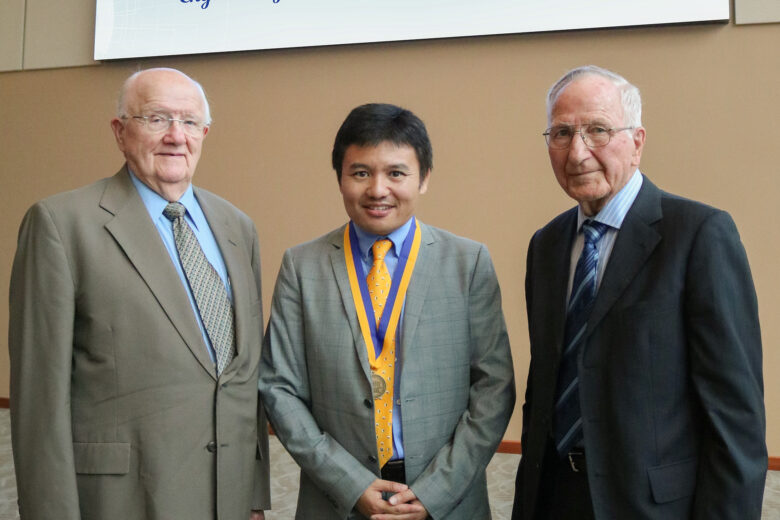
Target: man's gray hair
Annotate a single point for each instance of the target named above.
(120, 104)
(629, 94)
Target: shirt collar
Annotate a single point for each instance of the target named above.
(615, 211)
(366, 240)
(155, 204)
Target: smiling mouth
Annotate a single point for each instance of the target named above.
(378, 209)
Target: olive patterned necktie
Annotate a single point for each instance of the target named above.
(210, 294)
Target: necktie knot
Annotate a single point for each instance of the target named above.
(593, 231)
(174, 210)
(380, 248)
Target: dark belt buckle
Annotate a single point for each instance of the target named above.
(577, 460)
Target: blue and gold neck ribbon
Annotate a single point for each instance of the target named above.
(380, 340)
(378, 337)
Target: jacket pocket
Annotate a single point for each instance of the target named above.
(673, 481)
(101, 458)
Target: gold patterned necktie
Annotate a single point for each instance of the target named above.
(209, 292)
(378, 282)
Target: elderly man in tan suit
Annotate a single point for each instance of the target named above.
(135, 333)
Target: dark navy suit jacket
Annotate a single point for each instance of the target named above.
(671, 385)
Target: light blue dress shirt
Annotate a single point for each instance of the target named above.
(612, 214)
(194, 216)
(365, 243)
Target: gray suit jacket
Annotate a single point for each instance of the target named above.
(115, 405)
(671, 388)
(456, 385)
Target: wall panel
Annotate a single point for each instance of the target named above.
(708, 94)
(11, 34)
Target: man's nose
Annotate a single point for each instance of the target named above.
(377, 186)
(175, 131)
(577, 148)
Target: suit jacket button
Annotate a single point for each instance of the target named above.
(371, 458)
(368, 403)
(212, 447)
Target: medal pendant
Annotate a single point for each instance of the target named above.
(378, 385)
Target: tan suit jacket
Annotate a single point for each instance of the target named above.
(456, 378)
(116, 409)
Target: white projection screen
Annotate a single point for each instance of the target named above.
(139, 28)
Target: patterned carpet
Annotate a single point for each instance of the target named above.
(284, 490)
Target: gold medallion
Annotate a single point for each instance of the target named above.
(378, 385)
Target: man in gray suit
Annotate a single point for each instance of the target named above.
(645, 391)
(131, 397)
(387, 372)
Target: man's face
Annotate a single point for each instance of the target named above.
(592, 176)
(381, 186)
(166, 160)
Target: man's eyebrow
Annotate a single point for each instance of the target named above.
(358, 166)
(398, 166)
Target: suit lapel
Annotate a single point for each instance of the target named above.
(237, 268)
(418, 287)
(635, 242)
(136, 234)
(415, 294)
(560, 245)
(339, 266)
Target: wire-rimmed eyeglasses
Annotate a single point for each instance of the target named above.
(593, 135)
(157, 123)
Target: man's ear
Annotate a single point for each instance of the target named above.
(424, 182)
(640, 134)
(118, 127)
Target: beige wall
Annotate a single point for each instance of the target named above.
(711, 112)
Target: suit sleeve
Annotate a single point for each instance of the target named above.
(725, 353)
(452, 471)
(261, 499)
(518, 505)
(40, 340)
(284, 386)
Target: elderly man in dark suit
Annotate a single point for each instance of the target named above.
(136, 331)
(645, 391)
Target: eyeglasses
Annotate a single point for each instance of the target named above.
(593, 135)
(156, 123)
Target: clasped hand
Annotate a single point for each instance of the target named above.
(403, 505)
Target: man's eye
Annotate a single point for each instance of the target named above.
(360, 174)
(190, 123)
(597, 130)
(397, 173)
(561, 131)
(155, 119)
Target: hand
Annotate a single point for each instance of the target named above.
(407, 497)
(371, 502)
(257, 515)
(417, 515)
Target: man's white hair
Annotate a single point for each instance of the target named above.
(121, 108)
(629, 94)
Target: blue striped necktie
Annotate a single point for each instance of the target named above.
(568, 419)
